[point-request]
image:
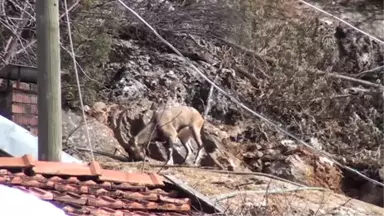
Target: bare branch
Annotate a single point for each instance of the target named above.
(379, 69)
(61, 16)
(360, 81)
(12, 41)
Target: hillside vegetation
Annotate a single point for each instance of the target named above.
(283, 60)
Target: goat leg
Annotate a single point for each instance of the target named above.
(198, 156)
(170, 151)
(186, 145)
(196, 135)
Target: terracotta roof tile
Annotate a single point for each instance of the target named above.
(117, 176)
(87, 189)
(58, 168)
(17, 162)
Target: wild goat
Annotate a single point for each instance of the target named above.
(169, 124)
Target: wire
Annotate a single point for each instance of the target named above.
(343, 21)
(240, 103)
(78, 80)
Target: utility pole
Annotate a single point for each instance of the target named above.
(48, 81)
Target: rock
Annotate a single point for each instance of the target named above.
(372, 193)
(315, 143)
(86, 108)
(99, 106)
(259, 154)
(272, 152)
(258, 147)
(289, 149)
(219, 154)
(102, 137)
(287, 142)
(298, 168)
(132, 89)
(157, 151)
(308, 169)
(325, 161)
(279, 168)
(258, 165)
(272, 157)
(249, 155)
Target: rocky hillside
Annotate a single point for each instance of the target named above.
(310, 74)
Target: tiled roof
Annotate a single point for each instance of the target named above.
(81, 189)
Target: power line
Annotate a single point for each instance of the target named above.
(78, 80)
(343, 21)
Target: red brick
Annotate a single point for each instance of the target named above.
(22, 85)
(25, 119)
(17, 108)
(23, 97)
(31, 109)
(24, 108)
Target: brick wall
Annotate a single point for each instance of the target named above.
(19, 104)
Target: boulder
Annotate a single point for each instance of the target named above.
(75, 137)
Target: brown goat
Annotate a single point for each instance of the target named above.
(169, 124)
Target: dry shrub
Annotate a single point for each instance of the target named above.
(307, 104)
(93, 27)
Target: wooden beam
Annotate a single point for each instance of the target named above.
(48, 82)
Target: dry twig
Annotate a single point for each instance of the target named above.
(379, 69)
(360, 81)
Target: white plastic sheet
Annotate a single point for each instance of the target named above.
(17, 141)
(14, 202)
